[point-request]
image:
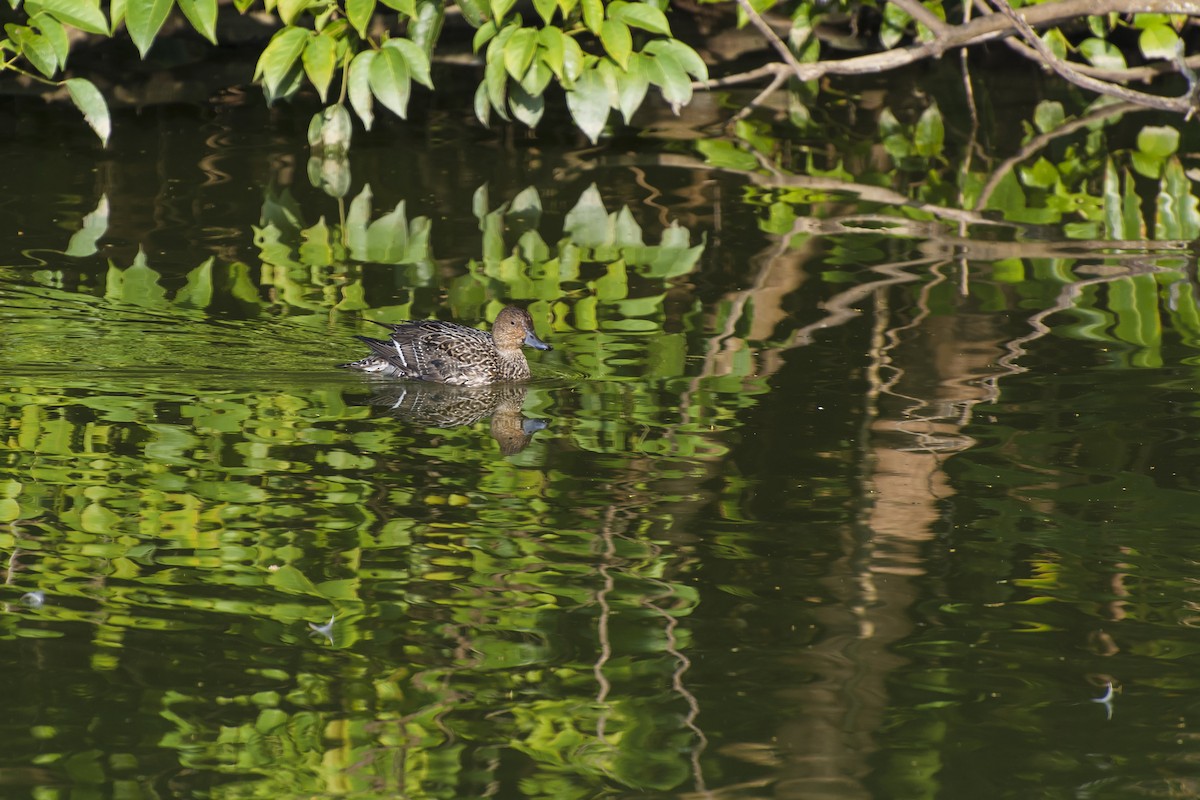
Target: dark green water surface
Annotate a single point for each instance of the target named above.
(789, 511)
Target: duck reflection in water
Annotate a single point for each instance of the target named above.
(440, 406)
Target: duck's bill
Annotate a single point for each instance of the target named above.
(535, 342)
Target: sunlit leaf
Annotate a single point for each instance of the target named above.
(1048, 115)
(143, 18)
(82, 14)
(425, 30)
(476, 12)
(87, 99)
(483, 36)
(537, 78)
(545, 9)
(588, 103)
(593, 15)
(390, 81)
(415, 59)
(203, 16)
(551, 49)
(1158, 41)
(518, 52)
(56, 37)
(617, 41)
(633, 85)
(1159, 141)
(406, 7)
(36, 48)
(500, 9)
(667, 73)
(1101, 53)
(688, 58)
(359, 87)
(526, 108)
(359, 13)
(930, 133)
(1057, 42)
(279, 57)
(318, 58)
(640, 15)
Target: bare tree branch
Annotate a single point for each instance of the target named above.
(972, 32)
(1182, 105)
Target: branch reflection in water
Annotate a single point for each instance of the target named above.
(442, 406)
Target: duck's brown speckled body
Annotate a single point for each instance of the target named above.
(446, 352)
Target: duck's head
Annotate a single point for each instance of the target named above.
(514, 327)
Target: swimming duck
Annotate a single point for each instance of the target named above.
(446, 352)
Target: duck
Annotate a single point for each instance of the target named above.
(446, 352)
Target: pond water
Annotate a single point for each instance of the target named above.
(812, 499)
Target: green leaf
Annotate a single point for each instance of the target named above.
(545, 10)
(667, 73)
(1158, 141)
(426, 28)
(1159, 41)
(550, 49)
(35, 47)
(588, 103)
(1056, 41)
(143, 18)
(930, 134)
(319, 58)
(483, 36)
(280, 56)
(1048, 115)
(359, 13)
(290, 9)
(406, 7)
(483, 107)
(359, 87)
(87, 99)
(593, 15)
(474, 11)
(496, 79)
(500, 8)
(632, 87)
(390, 80)
(895, 25)
(572, 60)
(617, 41)
(691, 61)
(82, 14)
(537, 78)
(1042, 175)
(330, 130)
(526, 107)
(56, 37)
(519, 50)
(414, 57)
(1102, 54)
(640, 15)
(203, 16)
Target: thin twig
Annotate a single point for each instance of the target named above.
(1041, 140)
(979, 30)
(780, 45)
(1068, 73)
